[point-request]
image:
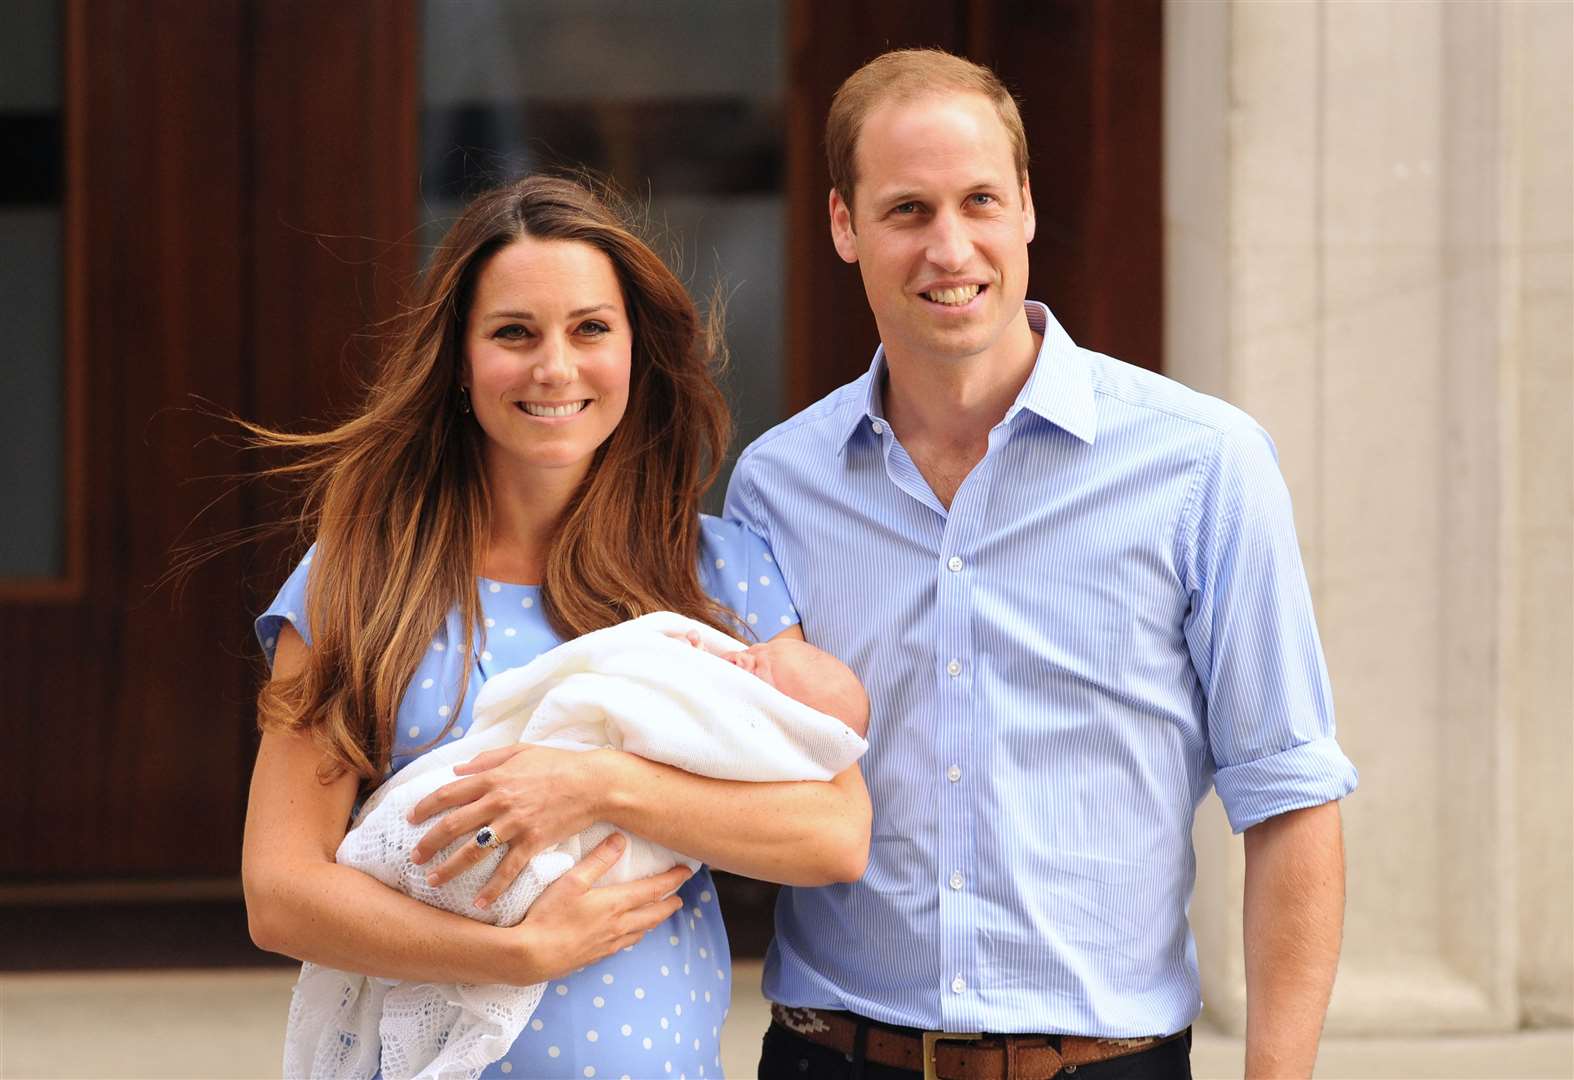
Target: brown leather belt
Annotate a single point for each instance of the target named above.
(945, 1055)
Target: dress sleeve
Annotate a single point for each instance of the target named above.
(1253, 640)
(289, 606)
(738, 570)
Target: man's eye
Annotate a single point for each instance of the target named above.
(981, 199)
(905, 208)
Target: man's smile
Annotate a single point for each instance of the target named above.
(953, 295)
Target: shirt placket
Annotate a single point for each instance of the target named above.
(962, 783)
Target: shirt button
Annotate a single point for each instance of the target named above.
(957, 985)
(956, 879)
(955, 563)
(954, 668)
(877, 427)
(954, 773)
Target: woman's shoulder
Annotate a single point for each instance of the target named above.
(738, 570)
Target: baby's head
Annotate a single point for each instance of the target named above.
(808, 675)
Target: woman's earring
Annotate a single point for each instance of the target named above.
(464, 401)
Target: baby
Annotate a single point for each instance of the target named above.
(809, 675)
(781, 710)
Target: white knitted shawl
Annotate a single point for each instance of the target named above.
(631, 687)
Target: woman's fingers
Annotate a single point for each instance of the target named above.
(448, 828)
(658, 886)
(603, 857)
(641, 920)
(633, 896)
(489, 760)
(580, 923)
(507, 871)
(446, 797)
(466, 855)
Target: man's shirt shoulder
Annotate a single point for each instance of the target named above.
(820, 425)
(1137, 393)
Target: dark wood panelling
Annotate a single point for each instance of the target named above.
(121, 936)
(123, 730)
(335, 124)
(1089, 73)
(332, 210)
(830, 332)
(209, 146)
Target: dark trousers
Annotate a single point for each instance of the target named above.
(786, 1055)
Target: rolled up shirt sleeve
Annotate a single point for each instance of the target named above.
(1253, 640)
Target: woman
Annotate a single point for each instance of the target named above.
(527, 468)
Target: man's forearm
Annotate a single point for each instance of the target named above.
(1294, 919)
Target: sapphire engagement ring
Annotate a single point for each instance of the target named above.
(487, 837)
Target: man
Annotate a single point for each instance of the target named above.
(1073, 592)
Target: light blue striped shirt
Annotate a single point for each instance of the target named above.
(1111, 618)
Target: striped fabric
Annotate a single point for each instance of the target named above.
(1111, 618)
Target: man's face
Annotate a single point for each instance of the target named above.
(939, 226)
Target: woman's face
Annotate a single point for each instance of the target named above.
(547, 353)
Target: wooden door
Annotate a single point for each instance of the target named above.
(217, 156)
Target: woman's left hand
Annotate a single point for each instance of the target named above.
(531, 796)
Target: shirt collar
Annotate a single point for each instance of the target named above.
(1060, 388)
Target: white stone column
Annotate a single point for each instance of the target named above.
(1541, 231)
(1369, 248)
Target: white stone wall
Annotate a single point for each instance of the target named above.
(1369, 247)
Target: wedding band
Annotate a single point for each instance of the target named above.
(487, 837)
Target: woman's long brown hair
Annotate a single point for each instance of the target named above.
(397, 496)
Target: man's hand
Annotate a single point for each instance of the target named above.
(1294, 918)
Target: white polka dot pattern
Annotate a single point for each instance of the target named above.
(649, 982)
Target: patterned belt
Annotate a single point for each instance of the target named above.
(949, 1055)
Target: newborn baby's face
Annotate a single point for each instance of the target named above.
(802, 672)
(776, 663)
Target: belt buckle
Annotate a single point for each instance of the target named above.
(933, 1037)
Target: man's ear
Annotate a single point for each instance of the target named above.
(842, 234)
(1029, 221)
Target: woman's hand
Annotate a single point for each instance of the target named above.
(573, 923)
(531, 796)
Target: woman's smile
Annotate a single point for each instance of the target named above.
(545, 410)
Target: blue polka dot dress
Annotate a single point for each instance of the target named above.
(655, 1009)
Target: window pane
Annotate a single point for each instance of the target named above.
(679, 102)
(31, 417)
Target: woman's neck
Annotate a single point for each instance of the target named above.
(527, 509)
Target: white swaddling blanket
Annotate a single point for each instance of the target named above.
(631, 687)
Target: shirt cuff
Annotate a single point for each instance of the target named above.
(1310, 774)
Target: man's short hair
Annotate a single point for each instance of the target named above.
(902, 75)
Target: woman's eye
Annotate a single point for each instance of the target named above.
(595, 328)
(511, 332)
